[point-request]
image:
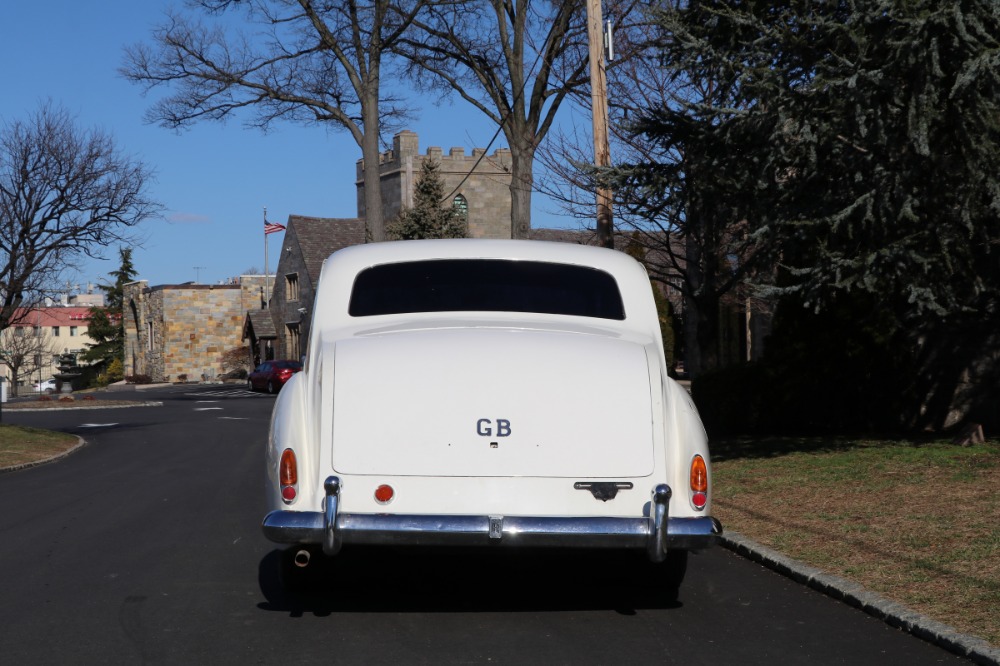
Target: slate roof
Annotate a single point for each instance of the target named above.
(261, 323)
(319, 237)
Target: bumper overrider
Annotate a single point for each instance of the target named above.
(657, 533)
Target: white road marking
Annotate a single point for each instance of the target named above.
(97, 425)
(206, 409)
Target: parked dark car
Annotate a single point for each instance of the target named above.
(272, 375)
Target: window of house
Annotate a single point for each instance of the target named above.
(72, 331)
(36, 331)
(19, 331)
(55, 331)
(292, 287)
(149, 336)
(461, 207)
(38, 360)
(292, 341)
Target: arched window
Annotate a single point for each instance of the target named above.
(461, 207)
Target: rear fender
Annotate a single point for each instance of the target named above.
(290, 430)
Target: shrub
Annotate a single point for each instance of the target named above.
(182, 377)
(139, 379)
(234, 359)
(44, 398)
(115, 371)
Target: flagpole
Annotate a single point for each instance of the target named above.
(267, 279)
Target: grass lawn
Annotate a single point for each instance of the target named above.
(20, 445)
(918, 522)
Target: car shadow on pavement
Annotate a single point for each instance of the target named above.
(459, 580)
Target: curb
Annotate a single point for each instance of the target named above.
(841, 589)
(80, 443)
(97, 405)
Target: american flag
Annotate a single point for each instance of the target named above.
(272, 227)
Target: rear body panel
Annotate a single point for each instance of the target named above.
(491, 403)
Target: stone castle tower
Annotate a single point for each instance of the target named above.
(478, 183)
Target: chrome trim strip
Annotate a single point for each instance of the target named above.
(311, 527)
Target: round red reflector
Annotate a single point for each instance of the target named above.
(288, 493)
(699, 499)
(384, 494)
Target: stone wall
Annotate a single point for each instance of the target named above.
(175, 330)
(203, 322)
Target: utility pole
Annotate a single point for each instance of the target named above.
(599, 108)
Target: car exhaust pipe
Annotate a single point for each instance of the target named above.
(302, 558)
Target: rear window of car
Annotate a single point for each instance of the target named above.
(489, 285)
(288, 365)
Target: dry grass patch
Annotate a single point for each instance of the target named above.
(21, 446)
(916, 522)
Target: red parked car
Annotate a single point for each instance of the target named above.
(272, 375)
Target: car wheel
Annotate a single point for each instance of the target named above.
(249, 385)
(271, 388)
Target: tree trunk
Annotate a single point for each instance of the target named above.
(521, 184)
(374, 222)
(701, 305)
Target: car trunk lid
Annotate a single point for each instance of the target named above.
(492, 402)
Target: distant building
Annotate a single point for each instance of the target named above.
(174, 330)
(307, 242)
(38, 337)
(478, 184)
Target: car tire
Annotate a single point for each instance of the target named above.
(271, 388)
(249, 385)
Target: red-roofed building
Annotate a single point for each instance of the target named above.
(39, 336)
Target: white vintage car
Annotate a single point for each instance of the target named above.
(476, 392)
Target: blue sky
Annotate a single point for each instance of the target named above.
(214, 180)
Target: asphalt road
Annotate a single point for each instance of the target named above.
(144, 547)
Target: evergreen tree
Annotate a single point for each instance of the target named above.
(430, 217)
(107, 323)
(858, 143)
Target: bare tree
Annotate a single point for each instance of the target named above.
(64, 193)
(312, 61)
(514, 60)
(26, 350)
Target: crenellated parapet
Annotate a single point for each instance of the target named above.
(482, 180)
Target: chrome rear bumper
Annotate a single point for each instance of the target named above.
(657, 533)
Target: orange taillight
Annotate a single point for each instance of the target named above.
(699, 475)
(699, 483)
(288, 473)
(288, 476)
